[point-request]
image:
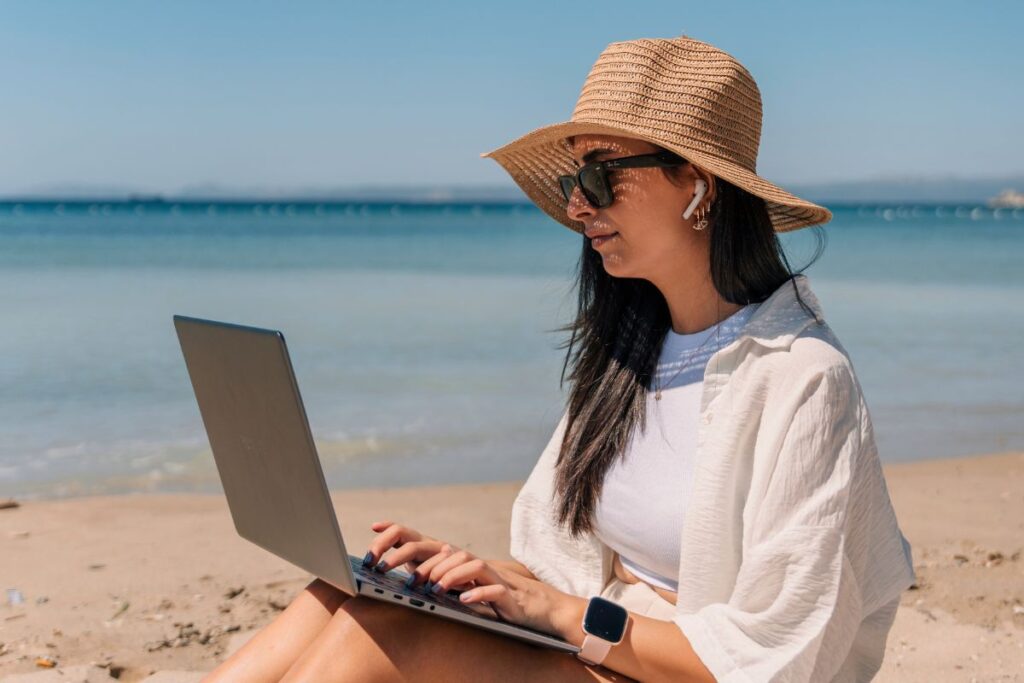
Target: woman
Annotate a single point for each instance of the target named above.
(714, 472)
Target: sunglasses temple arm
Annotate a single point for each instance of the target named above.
(641, 163)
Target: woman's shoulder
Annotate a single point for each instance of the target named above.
(791, 336)
(817, 347)
(814, 353)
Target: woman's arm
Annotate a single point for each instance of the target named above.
(651, 650)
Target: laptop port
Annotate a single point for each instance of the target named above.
(397, 596)
(418, 603)
(378, 590)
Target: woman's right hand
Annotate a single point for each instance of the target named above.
(402, 544)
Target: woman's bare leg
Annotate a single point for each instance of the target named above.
(374, 642)
(275, 647)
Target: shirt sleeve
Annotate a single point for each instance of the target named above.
(573, 566)
(796, 606)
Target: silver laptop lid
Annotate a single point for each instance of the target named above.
(261, 441)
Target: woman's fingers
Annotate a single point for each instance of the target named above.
(494, 592)
(423, 571)
(413, 552)
(461, 568)
(390, 536)
(383, 525)
(483, 588)
(449, 558)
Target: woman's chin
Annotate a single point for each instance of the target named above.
(614, 266)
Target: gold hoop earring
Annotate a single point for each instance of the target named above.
(702, 221)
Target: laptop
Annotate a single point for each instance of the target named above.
(268, 465)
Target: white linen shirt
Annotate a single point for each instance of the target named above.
(792, 562)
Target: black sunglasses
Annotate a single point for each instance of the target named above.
(593, 177)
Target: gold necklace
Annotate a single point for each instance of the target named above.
(659, 386)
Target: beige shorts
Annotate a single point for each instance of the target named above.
(639, 598)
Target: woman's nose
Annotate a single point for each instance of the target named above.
(578, 207)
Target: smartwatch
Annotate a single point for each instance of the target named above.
(605, 625)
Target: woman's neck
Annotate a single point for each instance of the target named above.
(695, 305)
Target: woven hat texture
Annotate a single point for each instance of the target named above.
(679, 93)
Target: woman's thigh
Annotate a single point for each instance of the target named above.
(420, 647)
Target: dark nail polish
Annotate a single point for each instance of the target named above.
(410, 580)
(436, 588)
(381, 566)
(368, 559)
(427, 586)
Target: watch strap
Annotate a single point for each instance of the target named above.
(594, 649)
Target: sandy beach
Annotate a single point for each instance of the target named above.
(141, 586)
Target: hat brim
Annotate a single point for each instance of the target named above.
(536, 159)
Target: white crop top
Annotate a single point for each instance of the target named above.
(642, 505)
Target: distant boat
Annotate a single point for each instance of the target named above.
(1007, 199)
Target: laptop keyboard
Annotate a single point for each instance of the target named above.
(395, 582)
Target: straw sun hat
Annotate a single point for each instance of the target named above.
(681, 94)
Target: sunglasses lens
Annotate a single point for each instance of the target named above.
(595, 188)
(593, 185)
(568, 183)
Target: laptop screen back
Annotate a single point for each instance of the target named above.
(261, 441)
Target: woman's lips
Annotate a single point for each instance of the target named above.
(598, 241)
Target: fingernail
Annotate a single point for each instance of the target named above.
(427, 586)
(368, 559)
(410, 580)
(381, 566)
(436, 588)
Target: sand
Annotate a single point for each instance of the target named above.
(144, 587)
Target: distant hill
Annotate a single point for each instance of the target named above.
(880, 190)
(924, 190)
(410, 193)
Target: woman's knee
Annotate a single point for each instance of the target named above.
(387, 624)
(330, 597)
(363, 609)
(395, 638)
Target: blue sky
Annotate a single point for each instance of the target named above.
(158, 96)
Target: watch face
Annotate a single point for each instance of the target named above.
(605, 619)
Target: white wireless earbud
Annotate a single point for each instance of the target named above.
(702, 188)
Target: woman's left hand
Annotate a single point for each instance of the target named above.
(513, 597)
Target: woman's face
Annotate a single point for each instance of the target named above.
(651, 238)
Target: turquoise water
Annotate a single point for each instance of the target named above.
(420, 334)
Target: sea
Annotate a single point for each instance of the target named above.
(424, 336)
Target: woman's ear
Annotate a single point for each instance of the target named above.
(708, 178)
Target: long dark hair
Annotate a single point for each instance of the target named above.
(616, 339)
